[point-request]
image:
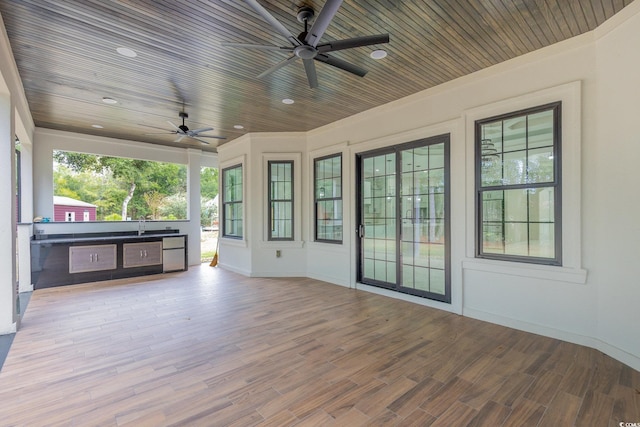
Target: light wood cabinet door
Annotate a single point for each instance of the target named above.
(141, 254)
(92, 258)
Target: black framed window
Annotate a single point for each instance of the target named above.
(280, 200)
(518, 186)
(232, 202)
(327, 180)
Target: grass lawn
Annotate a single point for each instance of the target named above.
(208, 241)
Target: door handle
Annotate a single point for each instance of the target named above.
(361, 231)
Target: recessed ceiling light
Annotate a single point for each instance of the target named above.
(238, 127)
(288, 101)
(97, 126)
(378, 54)
(125, 51)
(108, 100)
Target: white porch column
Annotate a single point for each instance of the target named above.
(193, 204)
(8, 292)
(25, 227)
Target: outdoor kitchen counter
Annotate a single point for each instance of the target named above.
(66, 259)
(141, 238)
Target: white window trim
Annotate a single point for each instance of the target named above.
(296, 158)
(232, 241)
(571, 270)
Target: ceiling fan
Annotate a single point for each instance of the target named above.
(306, 46)
(183, 131)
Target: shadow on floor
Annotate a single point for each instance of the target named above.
(7, 340)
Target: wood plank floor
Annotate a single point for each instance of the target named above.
(208, 347)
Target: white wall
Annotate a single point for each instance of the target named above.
(25, 229)
(235, 254)
(521, 83)
(254, 254)
(293, 258)
(15, 119)
(330, 262)
(612, 201)
(593, 298)
(8, 294)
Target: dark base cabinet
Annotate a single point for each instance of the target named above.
(68, 261)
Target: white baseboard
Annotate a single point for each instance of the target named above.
(330, 279)
(595, 343)
(277, 274)
(407, 297)
(234, 269)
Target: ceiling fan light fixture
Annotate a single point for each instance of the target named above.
(108, 100)
(125, 51)
(378, 54)
(288, 101)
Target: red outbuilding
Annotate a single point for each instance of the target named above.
(68, 209)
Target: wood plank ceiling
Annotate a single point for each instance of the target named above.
(66, 56)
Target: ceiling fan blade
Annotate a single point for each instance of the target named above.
(264, 13)
(343, 65)
(277, 66)
(176, 91)
(193, 132)
(201, 140)
(256, 46)
(212, 136)
(310, 69)
(354, 42)
(169, 132)
(179, 138)
(153, 127)
(175, 126)
(323, 20)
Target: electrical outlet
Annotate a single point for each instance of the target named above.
(278, 253)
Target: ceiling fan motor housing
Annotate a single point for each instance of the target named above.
(305, 51)
(305, 13)
(183, 127)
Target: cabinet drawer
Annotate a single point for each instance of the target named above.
(141, 254)
(92, 258)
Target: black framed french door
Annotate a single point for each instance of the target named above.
(403, 211)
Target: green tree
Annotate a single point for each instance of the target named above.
(208, 212)
(208, 192)
(174, 206)
(209, 182)
(154, 201)
(110, 181)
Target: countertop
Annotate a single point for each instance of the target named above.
(78, 238)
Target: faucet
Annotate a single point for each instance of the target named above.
(141, 224)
